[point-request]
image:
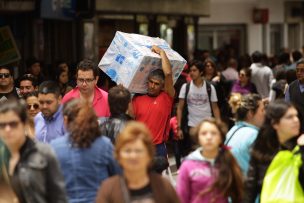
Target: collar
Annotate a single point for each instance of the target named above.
(245, 124)
(27, 147)
(301, 86)
(55, 115)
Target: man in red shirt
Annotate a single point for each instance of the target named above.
(87, 90)
(154, 108)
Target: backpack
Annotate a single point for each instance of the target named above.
(184, 121)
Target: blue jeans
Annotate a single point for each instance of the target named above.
(161, 150)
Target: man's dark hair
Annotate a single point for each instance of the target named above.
(29, 77)
(118, 99)
(301, 61)
(158, 73)
(198, 64)
(30, 61)
(296, 55)
(49, 87)
(256, 57)
(9, 68)
(86, 65)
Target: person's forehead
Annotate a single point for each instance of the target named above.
(85, 74)
(300, 66)
(193, 68)
(26, 83)
(49, 96)
(4, 70)
(155, 79)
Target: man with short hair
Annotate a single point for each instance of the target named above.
(295, 92)
(87, 90)
(197, 101)
(154, 108)
(119, 99)
(261, 75)
(49, 122)
(7, 88)
(27, 84)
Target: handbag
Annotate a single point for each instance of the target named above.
(281, 183)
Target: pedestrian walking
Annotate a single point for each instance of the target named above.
(210, 174)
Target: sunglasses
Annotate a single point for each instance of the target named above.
(5, 75)
(35, 106)
(11, 124)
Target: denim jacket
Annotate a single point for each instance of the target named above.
(85, 168)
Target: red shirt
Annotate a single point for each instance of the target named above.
(100, 100)
(155, 113)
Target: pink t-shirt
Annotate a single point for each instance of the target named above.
(100, 100)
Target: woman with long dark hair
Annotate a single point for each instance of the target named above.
(210, 174)
(279, 132)
(32, 169)
(86, 157)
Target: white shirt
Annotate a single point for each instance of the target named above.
(198, 102)
(262, 77)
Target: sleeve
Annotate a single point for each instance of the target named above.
(173, 198)
(287, 96)
(183, 188)
(55, 182)
(270, 78)
(182, 92)
(113, 167)
(213, 94)
(103, 194)
(251, 183)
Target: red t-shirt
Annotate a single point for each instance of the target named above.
(155, 113)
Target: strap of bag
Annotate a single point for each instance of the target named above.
(124, 190)
(186, 93)
(226, 142)
(208, 87)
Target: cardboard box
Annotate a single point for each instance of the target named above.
(129, 60)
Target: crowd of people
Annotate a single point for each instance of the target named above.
(70, 140)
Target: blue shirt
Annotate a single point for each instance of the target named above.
(48, 129)
(241, 143)
(84, 169)
(287, 96)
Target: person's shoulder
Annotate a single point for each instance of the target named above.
(59, 141)
(101, 91)
(38, 117)
(70, 95)
(113, 180)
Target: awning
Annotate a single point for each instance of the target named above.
(166, 7)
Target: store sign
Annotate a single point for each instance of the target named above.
(8, 50)
(167, 7)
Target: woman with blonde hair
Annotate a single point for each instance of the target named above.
(134, 152)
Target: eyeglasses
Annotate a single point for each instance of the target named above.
(11, 124)
(35, 106)
(88, 80)
(5, 75)
(300, 70)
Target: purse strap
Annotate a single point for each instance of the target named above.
(226, 143)
(124, 189)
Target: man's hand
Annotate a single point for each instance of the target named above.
(180, 134)
(156, 49)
